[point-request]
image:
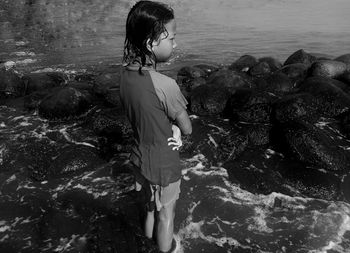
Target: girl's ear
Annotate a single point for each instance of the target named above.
(149, 45)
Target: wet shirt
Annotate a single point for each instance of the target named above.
(152, 100)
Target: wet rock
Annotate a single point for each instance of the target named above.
(296, 72)
(316, 146)
(107, 80)
(188, 73)
(260, 69)
(74, 159)
(80, 85)
(249, 106)
(273, 63)
(258, 134)
(11, 85)
(330, 97)
(344, 58)
(113, 129)
(300, 56)
(345, 77)
(67, 102)
(244, 63)
(230, 79)
(345, 123)
(41, 81)
(276, 83)
(232, 145)
(207, 68)
(296, 106)
(327, 68)
(209, 99)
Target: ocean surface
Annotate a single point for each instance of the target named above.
(42, 33)
(214, 214)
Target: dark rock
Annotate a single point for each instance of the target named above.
(66, 102)
(316, 146)
(345, 186)
(330, 98)
(207, 68)
(188, 73)
(272, 62)
(232, 145)
(108, 79)
(40, 81)
(344, 58)
(260, 69)
(300, 56)
(230, 79)
(80, 85)
(258, 134)
(345, 77)
(75, 159)
(327, 68)
(296, 106)
(244, 63)
(296, 72)
(276, 83)
(11, 85)
(209, 99)
(250, 106)
(32, 101)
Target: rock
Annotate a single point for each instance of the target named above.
(276, 83)
(272, 62)
(189, 78)
(232, 145)
(260, 69)
(108, 79)
(316, 146)
(75, 159)
(207, 68)
(209, 99)
(345, 58)
(330, 97)
(296, 72)
(345, 77)
(295, 106)
(327, 68)
(244, 63)
(258, 134)
(11, 85)
(230, 79)
(300, 56)
(66, 102)
(249, 106)
(41, 81)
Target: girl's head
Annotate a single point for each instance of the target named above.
(150, 33)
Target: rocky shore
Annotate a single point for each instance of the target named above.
(73, 178)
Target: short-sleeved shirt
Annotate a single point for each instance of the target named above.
(152, 101)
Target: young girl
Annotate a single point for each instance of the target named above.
(156, 110)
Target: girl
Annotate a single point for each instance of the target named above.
(157, 112)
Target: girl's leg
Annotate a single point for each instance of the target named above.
(165, 227)
(149, 224)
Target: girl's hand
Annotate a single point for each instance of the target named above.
(176, 139)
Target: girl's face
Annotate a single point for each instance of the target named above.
(164, 46)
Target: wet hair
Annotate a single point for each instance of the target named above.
(145, 23)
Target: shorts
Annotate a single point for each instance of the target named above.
(164, 196)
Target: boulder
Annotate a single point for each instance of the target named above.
(250, 106)
(296, 72)
(66, 102)
(300, 56)
(108, 79)
(11, 84)
(41, 81)
(207, 68)
(260, 69)
(276, 83)
(329, 95)
(272, 62)
(244, 63)
(316, 146)
(75, 159)
(344, 58)
(327, 68)
(295, 106)
(189, 78)
(209, 99)
(345, 77)
(229, 79)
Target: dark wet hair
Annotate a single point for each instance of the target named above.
(146, 21)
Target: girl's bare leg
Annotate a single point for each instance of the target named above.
(165, 227)
(149, 224)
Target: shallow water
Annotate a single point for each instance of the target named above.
(46, 33)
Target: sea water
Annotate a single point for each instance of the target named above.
(42, 33)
